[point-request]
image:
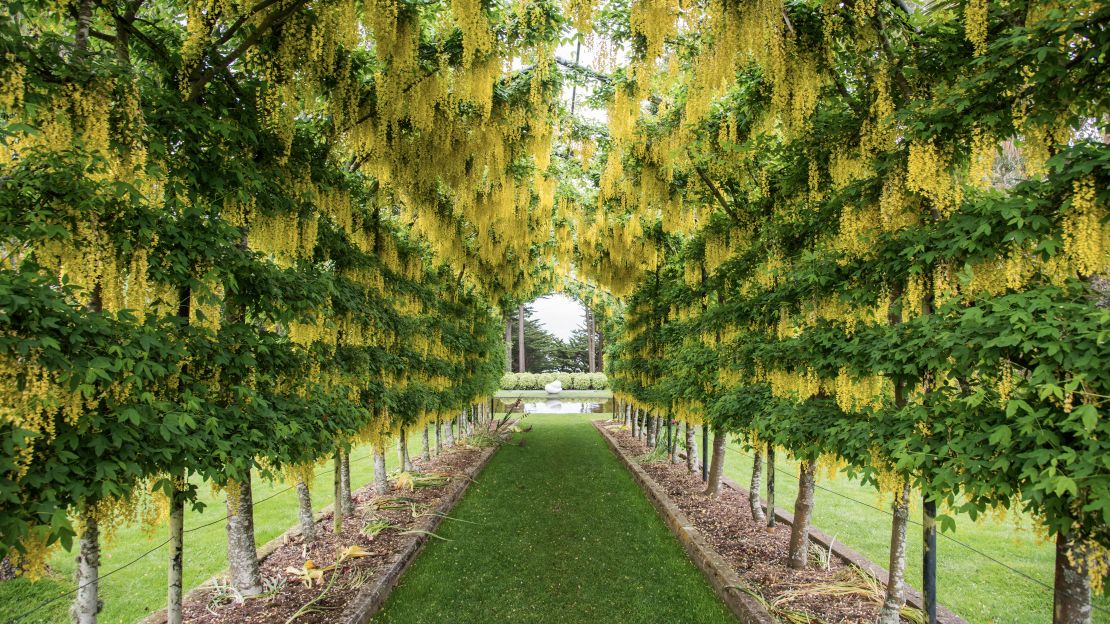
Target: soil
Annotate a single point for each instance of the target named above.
(759, 554)
(400, 508)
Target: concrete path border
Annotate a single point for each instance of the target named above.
(725, 581)
(839, 550)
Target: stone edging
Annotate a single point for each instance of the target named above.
(724, 580)
(382, 584)
(839, 550)
(373, 595)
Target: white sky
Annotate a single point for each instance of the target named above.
(558, 314)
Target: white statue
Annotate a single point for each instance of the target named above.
(554, 387)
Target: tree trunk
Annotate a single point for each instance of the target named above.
(439, 437)
(509, 343)
(381, 481)
(590, 339)
(635, 425)
(425, 448)
(896, 579)
(345, 483)
(405, 449)
(242, 555)
(753, 491)
(653, 431)
(174, 580)
(87, 604)
(672, 433)
(401, 442)
(691, 450)
(338, 508)
(304, 512)
(521, 368)
(717, 464)
(803, 512)
(1071, 595)
(449, 430)
(771, 519)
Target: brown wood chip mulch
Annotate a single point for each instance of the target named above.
(758, 554)
(216, 607)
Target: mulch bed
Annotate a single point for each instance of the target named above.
(756, 553)
(215, 607)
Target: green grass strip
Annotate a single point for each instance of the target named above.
(562, 534)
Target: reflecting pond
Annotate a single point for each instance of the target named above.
(557, 406)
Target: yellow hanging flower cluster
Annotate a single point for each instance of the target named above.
(1086, 231)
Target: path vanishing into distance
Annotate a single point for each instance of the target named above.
(555, 530)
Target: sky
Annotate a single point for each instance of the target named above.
(559, 314)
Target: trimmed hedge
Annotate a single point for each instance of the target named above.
(571, 381)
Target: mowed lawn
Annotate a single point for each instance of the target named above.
(139, 589)
(555, 530)
(980, 590)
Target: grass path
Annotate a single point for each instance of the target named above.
(554, 531)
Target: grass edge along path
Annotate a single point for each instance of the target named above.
(555, 530)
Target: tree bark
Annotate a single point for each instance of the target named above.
(242, 555)
(425, 448)
(381, 481)
(304, 512)
(691, 450)
(753, 491)
(87, 604)
(509, 343)
(338, 508)
(1071, 594)
(439, 437)
(520, 341)
(345, 483)
(672, 443)
(771, 519)
(896, 579)
(175, 577)
(590, 339)
(803, 512)
(717, 464)
(449, 430)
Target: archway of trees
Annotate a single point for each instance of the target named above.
(243, 235)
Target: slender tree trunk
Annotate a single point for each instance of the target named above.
(87, 604)
(439, 437)
(672, 433)
(691, 450)
(381, 481)
(590, 339)
(425, 448)
(1071, 595)
(408, 456)
(345, 483)
(771, 486)
(717, 464)
(338, 508)
(896, 580)
(753, 491)
(174, 580)
(242, 555)
(449, 430)
(803, 512)
(520, 341)
(401, 444)
(635, 425)
(653, 431)
(304, 512)
(509, 343)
